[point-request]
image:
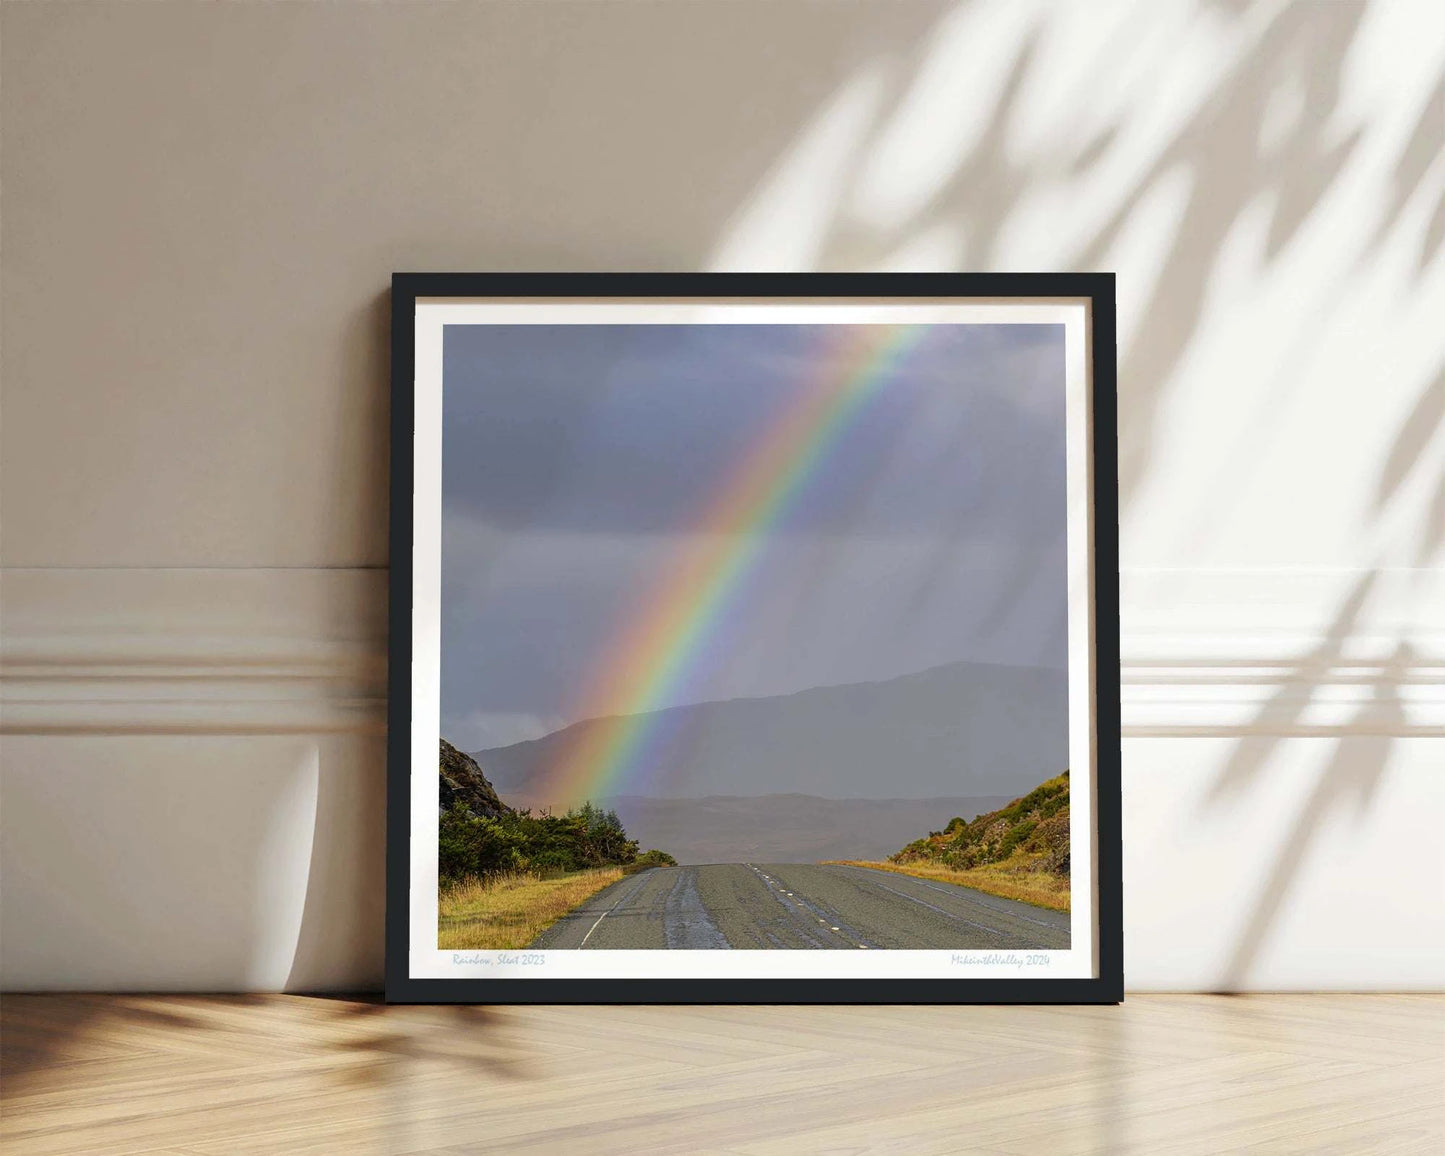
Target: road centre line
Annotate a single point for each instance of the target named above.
(804, 906)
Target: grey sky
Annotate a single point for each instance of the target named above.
(575, 458)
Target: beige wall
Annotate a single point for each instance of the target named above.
(200, 206)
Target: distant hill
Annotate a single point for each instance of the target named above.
(1030, 834)
(785, 828)
(959, 731)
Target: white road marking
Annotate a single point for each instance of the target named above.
(800, 904)
(604, 915)
(593, 928)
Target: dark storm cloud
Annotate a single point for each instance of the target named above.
(634, 428)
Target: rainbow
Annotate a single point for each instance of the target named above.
(679, 617)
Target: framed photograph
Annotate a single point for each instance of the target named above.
(754, 638)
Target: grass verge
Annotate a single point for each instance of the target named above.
(510, 911)
(1041, 888)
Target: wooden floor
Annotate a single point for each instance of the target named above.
(287, 1074)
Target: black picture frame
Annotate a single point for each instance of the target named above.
(1097, 289)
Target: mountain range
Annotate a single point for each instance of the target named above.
(960, 731)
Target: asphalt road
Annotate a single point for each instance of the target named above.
(799, 905)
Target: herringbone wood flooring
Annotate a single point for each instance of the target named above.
(222, 1076)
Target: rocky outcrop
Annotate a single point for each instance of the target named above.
(462, 782)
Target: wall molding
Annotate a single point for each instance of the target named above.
(245, 651)
(1225, 653)
(1305, 652)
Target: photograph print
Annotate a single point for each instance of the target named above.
(753, 647)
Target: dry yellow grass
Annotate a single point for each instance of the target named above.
(509, 912)
(1040, 888)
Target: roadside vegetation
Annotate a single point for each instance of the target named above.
(1020, 851)
(1027, 887)
(509, 911)
(652, 858)
(505, 875)
(519, 842)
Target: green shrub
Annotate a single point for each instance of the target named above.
(1032, 831)
(1015, 836)
(651, 858)
(520, 841)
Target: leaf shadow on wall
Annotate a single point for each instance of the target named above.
(1234, 153)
